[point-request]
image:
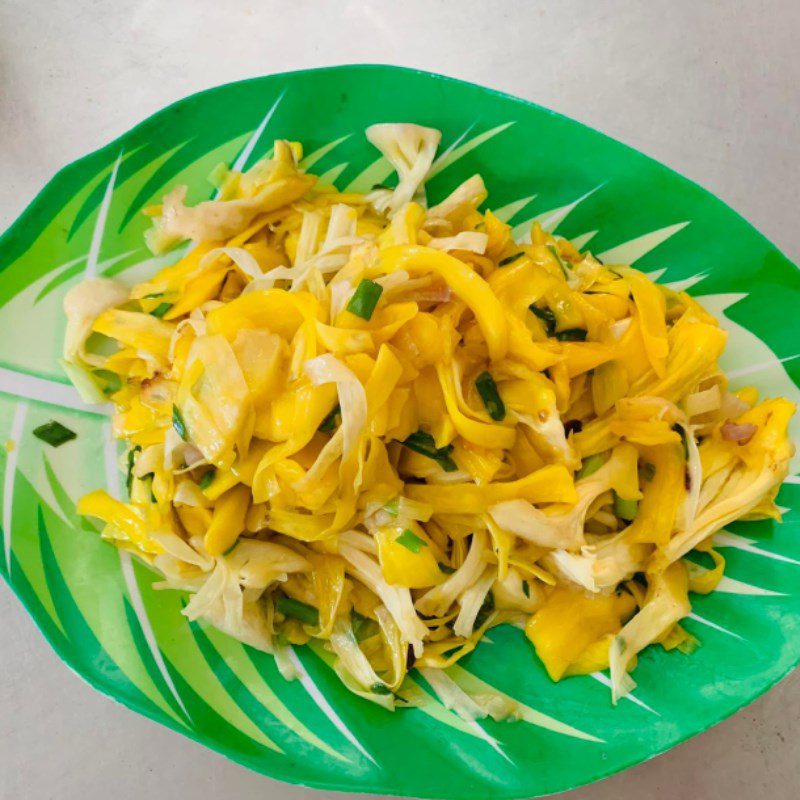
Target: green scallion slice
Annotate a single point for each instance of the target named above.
(392, 507)
(526, 589)
(411, 541)
(207, 479)
(112, 381)
(380, 688)
(571, 335)
(149, 478)
(160, 310)
(423, 443)
(510, 259)
(294, 608)
(131, 461)
(546, 316)
(179, 424)
(487, 389)
(444, 461)
(54, 433)
(365, 298)
(625, 509)
(590, 465)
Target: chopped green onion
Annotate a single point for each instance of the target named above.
(392, 507)
(571, 335)
(380, 688)
(153, 296)
(510, 259)
(329, 423)
(113, 382)
(557, 256)
(160, 310)
(447, 570)
(365, 298)
(424, 444)
(149, 478)
(207, 479)
(590, 466)
(526, 589)
(546, 316)
(294, 608)
(647, 471)
(131, 460)
(625, 509)
(444, 461)
(178, 423)
(487, 389)
(54, 433)
(411, 541)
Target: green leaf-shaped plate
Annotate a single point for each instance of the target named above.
(98, 608)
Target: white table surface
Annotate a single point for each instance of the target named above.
(711, 88)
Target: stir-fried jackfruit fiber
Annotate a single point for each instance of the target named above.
(388, 428)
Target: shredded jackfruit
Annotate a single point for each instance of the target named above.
(388, 429)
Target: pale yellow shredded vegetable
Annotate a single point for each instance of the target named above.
(389, 428)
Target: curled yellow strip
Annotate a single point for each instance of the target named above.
(465, 282)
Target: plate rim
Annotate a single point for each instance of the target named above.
(64, 173)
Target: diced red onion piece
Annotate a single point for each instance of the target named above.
(739, 433)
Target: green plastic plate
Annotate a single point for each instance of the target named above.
(98, 608)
